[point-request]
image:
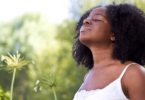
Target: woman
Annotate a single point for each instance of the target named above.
(111, 45)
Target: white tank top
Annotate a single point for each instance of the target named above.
(113, 91)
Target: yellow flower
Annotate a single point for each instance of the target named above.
(13, 62)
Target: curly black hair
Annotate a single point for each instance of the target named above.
(128, 25)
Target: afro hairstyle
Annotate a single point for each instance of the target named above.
(128, 25)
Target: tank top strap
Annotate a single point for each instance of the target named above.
(87, 76)
(125, 70)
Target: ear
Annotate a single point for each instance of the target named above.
(112, 37)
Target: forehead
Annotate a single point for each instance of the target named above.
(100, 10)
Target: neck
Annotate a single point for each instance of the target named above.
(102, 57)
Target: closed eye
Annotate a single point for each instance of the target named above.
(96, 20)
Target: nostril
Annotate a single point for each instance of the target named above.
(87, 22)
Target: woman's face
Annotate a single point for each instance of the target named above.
(96, 28)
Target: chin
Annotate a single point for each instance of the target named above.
(84, 41)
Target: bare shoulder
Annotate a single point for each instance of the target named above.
(134, 81)
(136, 71)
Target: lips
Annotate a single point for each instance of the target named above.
(84, 28)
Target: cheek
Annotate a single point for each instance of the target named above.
(101, 32)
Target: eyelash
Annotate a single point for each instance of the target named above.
(96, 20)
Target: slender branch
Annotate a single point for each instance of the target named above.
(53, 88)
(12, 84)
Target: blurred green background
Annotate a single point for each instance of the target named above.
(49, 45)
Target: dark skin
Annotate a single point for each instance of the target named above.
(97, 36)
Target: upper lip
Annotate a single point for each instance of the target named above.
(84, 28)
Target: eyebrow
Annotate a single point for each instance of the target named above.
(100, 14)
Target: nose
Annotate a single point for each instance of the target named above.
(86, 22)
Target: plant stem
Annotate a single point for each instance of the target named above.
(53, 88)
(12, 84)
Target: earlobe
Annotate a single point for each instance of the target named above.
(113, 37)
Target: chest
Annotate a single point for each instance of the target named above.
(100, 79)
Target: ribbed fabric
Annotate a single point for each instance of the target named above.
(113, 91)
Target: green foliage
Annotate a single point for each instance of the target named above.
(140, 4)
(29, 35)
(4, 95)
